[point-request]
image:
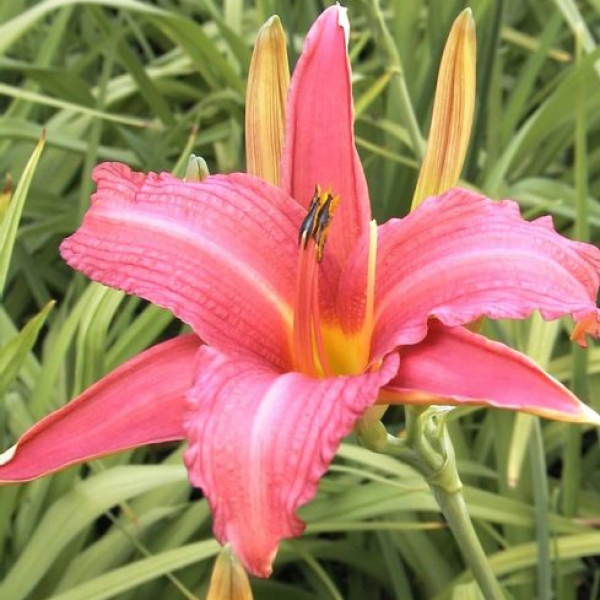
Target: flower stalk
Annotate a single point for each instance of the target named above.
(455, 511)
(427, 448)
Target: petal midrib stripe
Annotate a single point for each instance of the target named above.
(171, 228)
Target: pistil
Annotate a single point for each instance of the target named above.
(309, 347)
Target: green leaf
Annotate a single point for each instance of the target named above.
(76, 510)
(14, 352)
(10, 222)
(126, 578)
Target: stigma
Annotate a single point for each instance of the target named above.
(309, 348)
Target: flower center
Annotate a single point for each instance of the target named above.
(309, 348)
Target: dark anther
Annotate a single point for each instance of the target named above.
(316, 224)
(308, 224)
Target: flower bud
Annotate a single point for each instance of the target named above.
(5, 195)
(229, 580)
(197, 169)
(268, 82)
(453, 109)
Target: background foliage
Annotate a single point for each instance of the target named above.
(147, 83)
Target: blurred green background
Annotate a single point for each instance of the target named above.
(147, 83)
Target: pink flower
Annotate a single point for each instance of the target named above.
(294, 348)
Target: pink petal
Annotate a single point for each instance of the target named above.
(461, 256)
(141, 402)
(319, 147)
(260, 441)
(455, 366)
(221, 253)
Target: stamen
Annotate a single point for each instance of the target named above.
(307, 229)
(318, 220)
(318, 333)
(309, 346)
(369, 305)
(303, 308)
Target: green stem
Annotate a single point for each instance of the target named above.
(429, 450)
(455, 510)
(398, 81)
(571, 474)
(542, 509)
(488, 57)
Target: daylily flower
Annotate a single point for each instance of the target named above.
(304, 313)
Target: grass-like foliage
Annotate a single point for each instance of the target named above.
(148, 83)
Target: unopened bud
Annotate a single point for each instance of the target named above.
(268, 83)
(229, 580)
(197, 169)
(5, 195)
(453, 109)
